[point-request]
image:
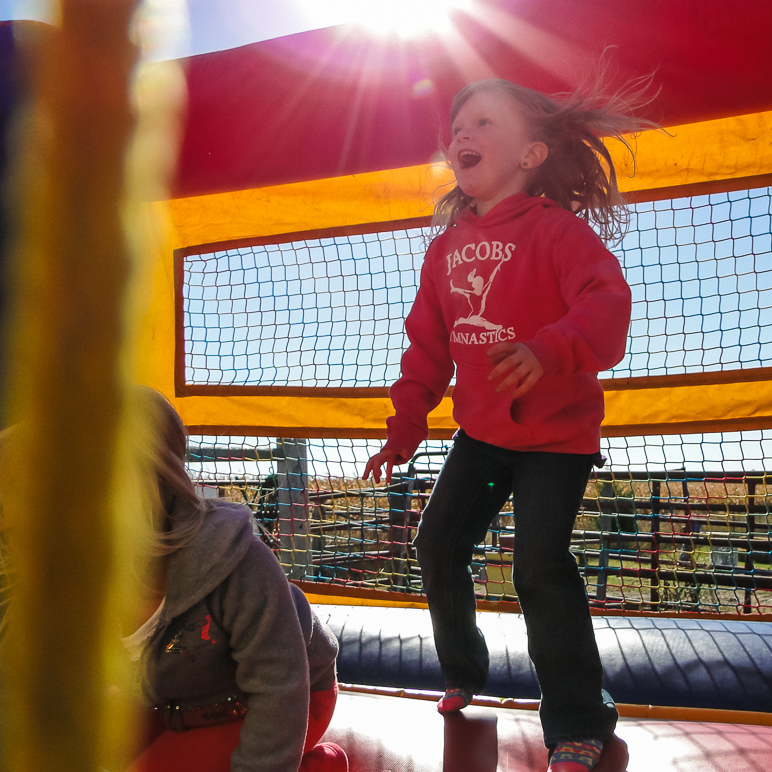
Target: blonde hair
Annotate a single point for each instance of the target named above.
(174, 509)
(578, 173)
(179, 512)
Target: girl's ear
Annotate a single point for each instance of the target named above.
(535, 155)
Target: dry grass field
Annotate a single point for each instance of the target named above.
(667, 545)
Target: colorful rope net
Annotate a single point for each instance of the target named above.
(673, 522)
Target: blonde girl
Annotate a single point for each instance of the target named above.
(521, 300)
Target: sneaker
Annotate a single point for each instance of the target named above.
(454, 700)
(325, 757)
(579, 756)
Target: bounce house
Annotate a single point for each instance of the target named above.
(269, 304)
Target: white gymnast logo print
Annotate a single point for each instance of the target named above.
(476, 291)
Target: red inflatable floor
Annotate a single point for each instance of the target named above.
(399, 734)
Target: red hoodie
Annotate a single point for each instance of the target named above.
(527, 271)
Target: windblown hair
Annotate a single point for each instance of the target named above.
(578, 173)
(179, 511)
(174, 510)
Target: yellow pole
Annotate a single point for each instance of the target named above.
(66, 505)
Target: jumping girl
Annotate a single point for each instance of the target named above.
(550, 309)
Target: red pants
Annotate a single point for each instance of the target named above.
(209, 749)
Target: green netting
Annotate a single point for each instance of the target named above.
(672, 523)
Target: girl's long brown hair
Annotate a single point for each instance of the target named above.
(578, 173)
(179, 511)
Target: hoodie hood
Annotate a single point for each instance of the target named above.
(198, 568)
(505, 211)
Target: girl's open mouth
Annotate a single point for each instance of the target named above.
(468, 158)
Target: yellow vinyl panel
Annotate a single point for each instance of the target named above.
(307, 416)
(629, 411)
(395, 194)
(692, 154)
(725, 149)
(689, 408)
(155, 363)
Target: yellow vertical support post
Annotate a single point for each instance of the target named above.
(73, 264)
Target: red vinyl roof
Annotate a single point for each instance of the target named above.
(337, 101)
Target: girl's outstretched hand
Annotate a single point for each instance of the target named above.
(514, 365)
(386, 456)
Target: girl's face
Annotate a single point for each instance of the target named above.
(491, 141)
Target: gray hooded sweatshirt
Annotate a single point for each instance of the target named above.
(231, 624)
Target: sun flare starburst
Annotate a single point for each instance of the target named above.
(405, 18)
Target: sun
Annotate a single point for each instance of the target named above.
(405, 18)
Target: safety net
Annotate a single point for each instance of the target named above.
(678, 519)
(329, 312)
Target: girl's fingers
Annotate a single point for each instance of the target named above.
(521, 378)
(373, 468)
(503, 367)
(390, 459)
(500, 351)
(513, 379)
(525, 385)
(511, 371)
